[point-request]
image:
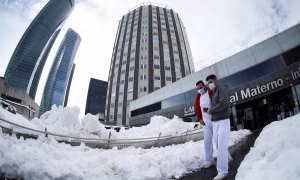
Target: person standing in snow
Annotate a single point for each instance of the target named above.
(203, 101)
(221, 124)
(282, 111)
(278, 112)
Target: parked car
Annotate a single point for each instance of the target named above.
(117, 128)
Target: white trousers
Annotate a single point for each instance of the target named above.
(221, 130)
(208, 142)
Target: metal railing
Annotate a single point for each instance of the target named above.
(159, 141)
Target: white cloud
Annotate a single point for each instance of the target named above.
(216, 30)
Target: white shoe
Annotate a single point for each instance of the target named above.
(220, 176)
(208, 164)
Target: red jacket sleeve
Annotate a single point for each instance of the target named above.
(198, 108)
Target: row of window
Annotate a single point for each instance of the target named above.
(144, 77)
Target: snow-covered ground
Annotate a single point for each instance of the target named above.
(276, 153)
(66, 121)
(45, 158)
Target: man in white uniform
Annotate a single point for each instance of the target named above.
(205, 103)
(221, 124)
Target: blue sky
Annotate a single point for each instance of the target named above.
(216, 30)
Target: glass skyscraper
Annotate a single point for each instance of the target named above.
(95, 102)
(151, 50)
(27, 62)
(69, 85)
(60, 72)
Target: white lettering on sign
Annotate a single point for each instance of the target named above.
(189, 111)
(252, 92)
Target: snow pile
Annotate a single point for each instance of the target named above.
(157, 125)
(47, 159)
(17, 119)
(66, 121)
(60, 121)
(275, 154)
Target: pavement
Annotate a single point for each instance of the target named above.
(238, 152)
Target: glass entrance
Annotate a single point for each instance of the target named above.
(260, 112)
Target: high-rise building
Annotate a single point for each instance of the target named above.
(95, 102)
(60, 72)
(27, 62)
(69, 85)
(151, 50)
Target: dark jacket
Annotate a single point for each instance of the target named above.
(220, 104)
(197, 104)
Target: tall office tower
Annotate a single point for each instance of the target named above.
(60, 72)
(95, 101)
(69, 85)
(151, 50)
(27, 62)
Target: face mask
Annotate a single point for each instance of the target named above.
(212, 86)
(201, 91)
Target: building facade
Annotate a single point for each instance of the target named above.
(27, 62)
(60, 72)
(23, 103)
(263, 80)
(69, 85)
(96, 98)
(151, 51)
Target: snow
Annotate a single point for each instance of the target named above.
(45, 158)
(66, 121)
(275, 154)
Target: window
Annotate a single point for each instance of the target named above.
(173, 101)
(157, 77)
(132, 59)
(124, 62)
(156, 66)
(130, 90)
(121, 93)
(143, 89)
(147, 109)
(156, 56)
(267, 67)
(143, 66)
(292, 56)
(123, 71)
(168, 78)
(156, 88)
(122, 81)
(130, 79)
(143, 77)
(131, 68)
(167, 68)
